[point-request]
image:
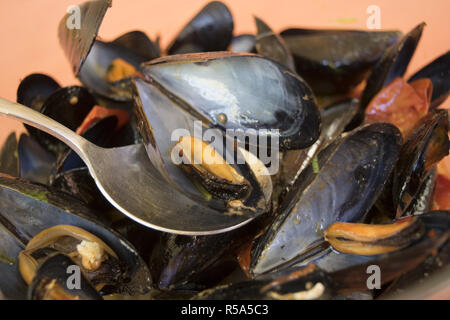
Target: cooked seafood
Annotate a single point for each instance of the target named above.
(360, 156)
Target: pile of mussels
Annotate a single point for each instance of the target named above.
(361, 180)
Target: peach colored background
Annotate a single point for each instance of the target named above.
(29, 42)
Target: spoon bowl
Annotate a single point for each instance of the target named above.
(130, 182)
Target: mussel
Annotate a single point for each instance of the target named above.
(9, 157)
(38, 208)
(438, 71)
(392, 64)
(336, 61)
(109, 65)
(370, 239)
(210, 30)
(352, 172)
(98, 262)
(239, 91)
(271, 45)
(35, 89)
(421, 151)
(51, 281)
(305, 283)
(69, 106)
(265, 141)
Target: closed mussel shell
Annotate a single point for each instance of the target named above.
(336, 61)
(210, 30)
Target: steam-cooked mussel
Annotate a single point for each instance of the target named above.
(352, 172)
(350, 270)
(100, 264)
(239, 91)
(71, 174)
(185, 262)
(305, 283)
(9, 157)
(27, 209)
(97, 63)
(423, 149)
(210, 30)
(427, 144)
(271, 45)
(35, 89)
(391, 65)
(77, 41)
(109, 65)
(163, 122)
(210, 169)
(424, 197)
(438, 71)
(336, 61)
(35, 163)
(26, 159)
(51, 281)
(334, 117)
(371, 239)
(69, 106)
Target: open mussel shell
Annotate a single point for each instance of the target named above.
(438, 71)
(243, 43)
(336, 61)
(427, 145)
(52, 278)
(423, 199)
(240, 91)
(163, 123)
(392, 64)
(76, 40)
(100, 133)
(433, 237)
(350, 271)
(36, 163)
(80, 184)
(27, 208)
(35, 89)
(272, 46)
(94, 258)
(352, 172)
(210, 30)
(69, 106)
(308, 283)
(138, 42)
(373, 239)
(173, 266)
(93, 73)
(194, 263)
(431, 275)
(71, 174)
(9, 157)
(92, 58)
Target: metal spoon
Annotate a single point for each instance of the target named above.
(130, 182)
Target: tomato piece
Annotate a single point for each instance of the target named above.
(97, 113)
(401, 103)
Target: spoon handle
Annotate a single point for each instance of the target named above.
(44, 123)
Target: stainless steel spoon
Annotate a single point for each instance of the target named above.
(130, 182)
